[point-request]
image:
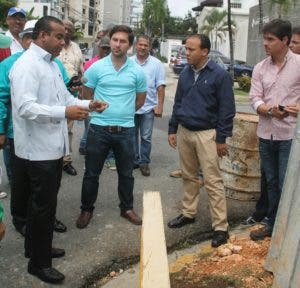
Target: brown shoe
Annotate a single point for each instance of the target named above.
(84, 219)
(176, 173)
(131, 217)
(145, 170)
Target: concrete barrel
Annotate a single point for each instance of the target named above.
(241, 167)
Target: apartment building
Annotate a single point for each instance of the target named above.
(240, 15)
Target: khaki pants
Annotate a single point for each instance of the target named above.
(67, 159)
(198, 149)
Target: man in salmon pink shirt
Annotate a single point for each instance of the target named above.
(275, 85)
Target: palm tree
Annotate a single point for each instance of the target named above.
(154, 15)
(282, 5)
(215, 26)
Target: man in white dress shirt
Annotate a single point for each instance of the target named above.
(41, 105)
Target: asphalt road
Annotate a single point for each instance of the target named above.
(110, 241)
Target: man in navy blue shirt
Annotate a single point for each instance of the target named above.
(202, 118)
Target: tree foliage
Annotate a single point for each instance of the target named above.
(215, 26)
(283, 6)
(154, 15)
(177, 26)
(5, 5)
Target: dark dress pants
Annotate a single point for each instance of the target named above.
(44, 179)
(20, 189)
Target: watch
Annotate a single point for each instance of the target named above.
(91, 106)
(269, 113)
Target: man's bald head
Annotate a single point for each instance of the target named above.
(70, 29)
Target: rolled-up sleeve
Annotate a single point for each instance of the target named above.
(256, 91)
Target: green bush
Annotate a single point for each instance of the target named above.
(161, 58)
(244, 83)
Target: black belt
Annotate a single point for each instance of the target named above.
(194, 129)
(114, 129)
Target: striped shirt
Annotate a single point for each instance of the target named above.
(273, 86)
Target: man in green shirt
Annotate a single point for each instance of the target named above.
(5, 42)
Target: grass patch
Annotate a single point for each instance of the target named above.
(239, 92)
(241, 97)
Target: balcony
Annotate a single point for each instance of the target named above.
(208, 3)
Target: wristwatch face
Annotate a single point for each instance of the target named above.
(270, 112)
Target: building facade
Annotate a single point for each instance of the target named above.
(256, 51)
(240, 16)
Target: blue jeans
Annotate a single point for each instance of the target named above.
(261, 207)
(274, 157)
(82, 144)
(84, 135)
(99, 142)
(144, 127)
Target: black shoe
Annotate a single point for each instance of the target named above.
(49, 274)
(145, 170)
(59, 226)
(21, 230)
(82, 151)
(219, 238)
(249, 221)
(55, 253)
(180, 221)
(261, 233)
(70, 170)
(136, 166)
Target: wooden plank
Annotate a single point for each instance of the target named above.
(154, 268)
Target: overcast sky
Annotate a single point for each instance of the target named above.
(179, 8)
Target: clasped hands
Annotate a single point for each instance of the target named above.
(79, 113)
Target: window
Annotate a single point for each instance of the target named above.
(83, 11)
(83, 26)
(236, 5)
(91, 30)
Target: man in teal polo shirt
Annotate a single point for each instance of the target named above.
(121, 83)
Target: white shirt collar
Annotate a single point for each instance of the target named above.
(15, 45)
(41, 52)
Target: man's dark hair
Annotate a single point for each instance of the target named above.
(280, 28)
(43, 24)
(123, 28)
(204, 41)
(143, 36)
(296, 30)
(146, 37)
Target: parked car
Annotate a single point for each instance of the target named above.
(239, 69)
(174, 52)
(87, 54)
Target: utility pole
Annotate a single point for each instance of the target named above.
(66, 10)
(231, 71)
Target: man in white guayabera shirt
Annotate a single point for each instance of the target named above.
(41, 105)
